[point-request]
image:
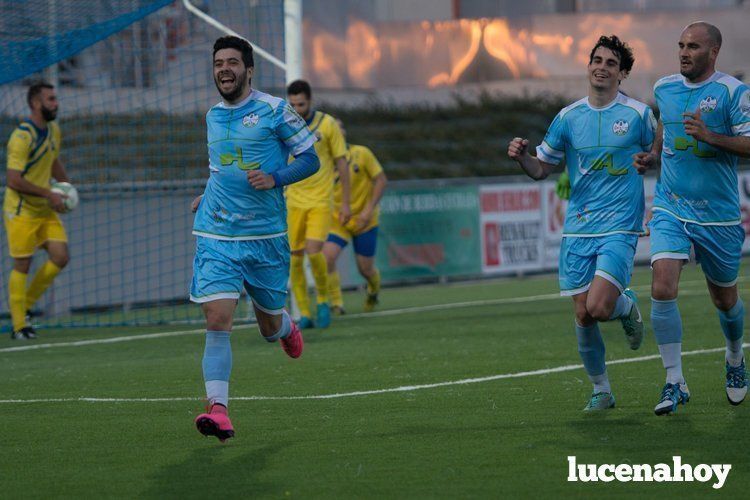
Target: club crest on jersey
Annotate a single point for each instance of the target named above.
(745, 103)
(250, 120)
(620, 127)
(708, 104)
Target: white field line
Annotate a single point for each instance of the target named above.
(403, 388)
(375, 314)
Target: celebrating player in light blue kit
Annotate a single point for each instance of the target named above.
(705, 122)
(240, 222)
(597, 136)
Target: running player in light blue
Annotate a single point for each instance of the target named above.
(704, 127)
(240, 222)
(596, 136)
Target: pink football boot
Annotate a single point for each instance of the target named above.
(293, 342)
(215, 423)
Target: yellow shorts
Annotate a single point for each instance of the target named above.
(307, 224)
(26, 234)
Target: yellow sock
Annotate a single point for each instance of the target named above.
(373, 283)
(334, 289)
(17, 299)
(320, 273)
(42, 280)
(299, 284)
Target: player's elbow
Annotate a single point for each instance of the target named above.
(13, 180)
(540, 175)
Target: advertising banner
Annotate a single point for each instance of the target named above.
(511, 227)
(429, 232)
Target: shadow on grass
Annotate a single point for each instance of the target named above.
(217, 469)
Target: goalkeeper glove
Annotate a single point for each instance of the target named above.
(563, 186)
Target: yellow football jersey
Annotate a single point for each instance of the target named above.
(32, 151)
(363, 168)
(318, 189)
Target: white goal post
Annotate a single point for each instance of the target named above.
(292, 67)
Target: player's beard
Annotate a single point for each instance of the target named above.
(697, 68)
(49, 114)
(236, 92)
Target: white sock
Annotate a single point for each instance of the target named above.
(734, 352)
(671, 358)
(601, 383)
(217, 391)
(623, 305)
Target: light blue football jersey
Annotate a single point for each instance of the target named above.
(258, 133)
(699, 182)
(606, 194)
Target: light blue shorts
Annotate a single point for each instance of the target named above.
(222, 268)
(610, 257)
(718, 249)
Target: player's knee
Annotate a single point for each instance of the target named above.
(330, 263)
(268, 327)
(366, 269)
(663, 290)
(22, 265)
(218, 320)
(60, 260)
(725, 301)
(313, 246)
(599, 310)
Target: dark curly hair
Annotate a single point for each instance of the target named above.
(233, 42)
(622, 49)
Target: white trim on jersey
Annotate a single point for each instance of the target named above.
(548, 154)
(669, 79)
(597, 235)
(237, 238)
(742, 129)
(575, 291)
(272, 312)
(608, 277)
(731, 83)
(722, 284)
(638, 106)
(215, 296)
(683, 219)
(569, 107)
(669, 255)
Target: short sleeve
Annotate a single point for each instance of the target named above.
(552, 148)
(336, 141)
(648, 129)
(292, 130)
(739, 114)
(19, 146)
(372, 165)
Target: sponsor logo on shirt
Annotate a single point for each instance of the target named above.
(708, 104)
(620, 127)
(582, 215)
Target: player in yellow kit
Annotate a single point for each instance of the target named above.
(368, 183)
(310, 205)
(30, 207)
